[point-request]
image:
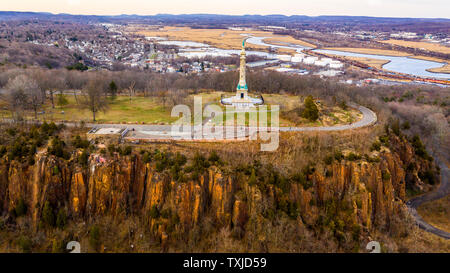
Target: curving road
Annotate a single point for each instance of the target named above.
(163, 131)
(442, 191)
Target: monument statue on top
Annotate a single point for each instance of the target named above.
(242, 100)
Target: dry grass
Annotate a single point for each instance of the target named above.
(372, 51)
(282, 40)
(443, 69)
(121, 110)
(421, 45)
(221, 38)
(376, 63)
(437, 213)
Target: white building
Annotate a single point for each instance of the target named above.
(284, 58)
(320, 63)
(336, 65)
(310, 60)
(296, 59)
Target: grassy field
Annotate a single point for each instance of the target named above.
(442, 69)
(221, 38)
(421, 45)
(437, 213)
(148, 110)
(372, 51)
(282, 40)
(121, 110)
(376, 63)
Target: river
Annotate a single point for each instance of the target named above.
(404, 65)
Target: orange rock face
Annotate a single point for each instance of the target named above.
(369, 193)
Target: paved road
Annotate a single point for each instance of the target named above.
(369, 118)
(442, 191)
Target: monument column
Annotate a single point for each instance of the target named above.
(242, 89)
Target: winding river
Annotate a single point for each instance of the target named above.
(404, 65)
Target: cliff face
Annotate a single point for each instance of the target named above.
(367, 194)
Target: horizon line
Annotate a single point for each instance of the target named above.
(218, 14)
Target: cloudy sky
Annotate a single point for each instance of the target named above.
(387, 8)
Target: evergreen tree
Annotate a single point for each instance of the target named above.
(113, 89)
(311, 111)
(61, 218)
(48, 218)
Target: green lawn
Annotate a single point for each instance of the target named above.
(120, 110)
(149, 110)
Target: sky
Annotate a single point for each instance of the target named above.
(378, 8)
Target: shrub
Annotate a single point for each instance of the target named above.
(83, 158)
(395, 126)
(77, 66)
(252, 179)
(154, 212)
(214, 157)
(78, 142)
(2, 150)
(166, 213)
(21, 208)
(48, 218)
(94, 237)
(24, 243)
(385, 175)
(338, 156)
(311, 111)
(328, 159)
(180, 159)
(61, 100)
(384, 139)
(406, 125)
(419, 148)
(126, 151)
(61, 218)
(301, 179)
(111, 149)
(199, 165)
(146, 158)
(376, 146)
(427, 176)
(57, 246)
(57, 148)
(352, 157)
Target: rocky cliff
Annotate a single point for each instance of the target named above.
(347, 193)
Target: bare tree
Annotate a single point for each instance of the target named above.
(93, 96)
(52, 81)
(24, 94)
(131, 90)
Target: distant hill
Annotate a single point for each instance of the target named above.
(422, 25)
